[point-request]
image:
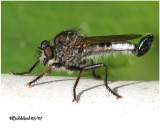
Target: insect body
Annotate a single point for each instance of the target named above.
(72, 50)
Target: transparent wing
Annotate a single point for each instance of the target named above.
(111, 38)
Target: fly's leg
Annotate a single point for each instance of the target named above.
(106, 83)
(94, 72)
(105, 73)
(27, 72)
(90, 67)
(39, 76)
(74, 87)
(75, 68)
(43, 73)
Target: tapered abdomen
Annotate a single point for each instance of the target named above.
(108, 47)
(113, 47)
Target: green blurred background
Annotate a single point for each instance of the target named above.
(26, 24)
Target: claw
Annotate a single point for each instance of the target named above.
(29, 85)
(119, 97)
(75, 100)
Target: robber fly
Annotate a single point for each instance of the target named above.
(72, 51)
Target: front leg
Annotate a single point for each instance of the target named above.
(44, 72)
(27, 72)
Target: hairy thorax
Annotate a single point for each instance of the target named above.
(65, 51)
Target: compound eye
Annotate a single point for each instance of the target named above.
(44, 44)
(48, 52)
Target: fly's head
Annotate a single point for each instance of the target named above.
(46, 52)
